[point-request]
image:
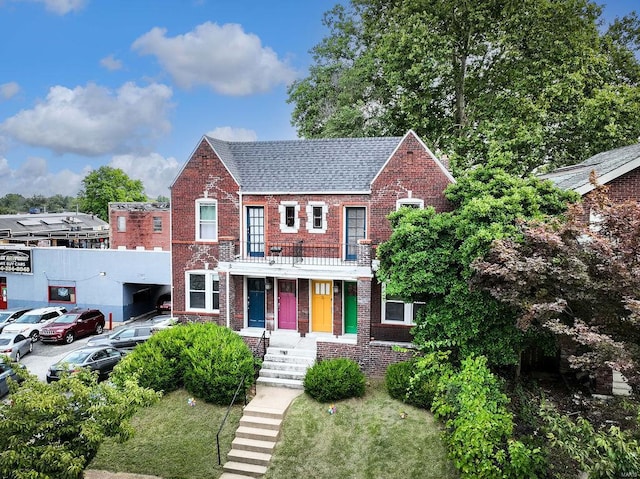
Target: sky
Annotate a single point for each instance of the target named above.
(135, 84)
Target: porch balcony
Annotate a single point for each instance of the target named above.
(295, 259)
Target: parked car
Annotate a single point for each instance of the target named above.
(6, 372)
(95, 358)
(160, 322)
(10, 315)
(15, 345)
(125, 338)
(164, 304)
(74, 324)
(30, 323)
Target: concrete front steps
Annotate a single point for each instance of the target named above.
(257, 433)
(286, 361)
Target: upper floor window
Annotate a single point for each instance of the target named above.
(122, 223)
(157, 224)
(409, 203)
(206, 220)
(289, 219)
(202, 291)
(317, 217)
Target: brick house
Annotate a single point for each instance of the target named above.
(281, 237)
(140, 225)
(619, 170)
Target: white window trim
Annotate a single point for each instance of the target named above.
(282, 209)
(210, 275)
(200, 202)
(309, 210)
(408, 310)
(409, 202)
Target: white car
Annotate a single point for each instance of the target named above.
(31, 322)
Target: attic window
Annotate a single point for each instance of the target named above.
(410, 203)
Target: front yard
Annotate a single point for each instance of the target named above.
(371, 437)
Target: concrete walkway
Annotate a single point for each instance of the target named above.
(267, 398)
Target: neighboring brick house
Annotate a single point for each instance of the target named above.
(141, 226)
(281, 236)
(619, 170)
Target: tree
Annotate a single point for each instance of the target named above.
(428, 256)
(108, 184)
(53, 431)
(579, 281)
(534, 81)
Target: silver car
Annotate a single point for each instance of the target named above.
(15, 345)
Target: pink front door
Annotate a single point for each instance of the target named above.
(287, 306)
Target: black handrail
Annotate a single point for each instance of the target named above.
(262, 342)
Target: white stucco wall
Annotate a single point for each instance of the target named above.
(125, 273)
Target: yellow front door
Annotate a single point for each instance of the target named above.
(321, 306)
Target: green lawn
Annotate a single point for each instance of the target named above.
(365, 438)
(172, 440)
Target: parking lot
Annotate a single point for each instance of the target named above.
(44, 355)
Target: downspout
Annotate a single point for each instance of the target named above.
(240, 247)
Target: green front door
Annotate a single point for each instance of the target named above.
(350, 307)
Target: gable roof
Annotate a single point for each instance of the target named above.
(328, 165)
(608, 166)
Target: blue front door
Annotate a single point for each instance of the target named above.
(255, 302)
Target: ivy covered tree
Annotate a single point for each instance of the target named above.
(53, 431)
(536, 81)
(108, 184)
(428, 257)
(580, 281)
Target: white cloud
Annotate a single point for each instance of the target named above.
(228, 133)
(34, 178)
(111, 63)
(224, 58)
(156, 172)
(9, 90)
(93, 120)
(61, 7)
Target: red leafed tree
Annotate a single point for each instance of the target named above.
(579, 277)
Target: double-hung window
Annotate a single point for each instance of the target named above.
(203, 291)
(317, 217)
(289, 220)
(206, 220)
(396, 311)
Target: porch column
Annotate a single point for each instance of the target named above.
(364, 252)
(364, 311)
(227, 248)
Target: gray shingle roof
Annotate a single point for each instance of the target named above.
(297, 166)
(608, 165)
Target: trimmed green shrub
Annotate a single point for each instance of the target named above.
(334, 379)
(397, 379)
(207, 359)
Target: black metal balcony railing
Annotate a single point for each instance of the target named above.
(298, 252)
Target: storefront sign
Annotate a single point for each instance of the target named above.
(15, 260)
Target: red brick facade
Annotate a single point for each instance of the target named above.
(410, 175)
(140, 226)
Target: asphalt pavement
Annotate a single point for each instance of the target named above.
(45, 354)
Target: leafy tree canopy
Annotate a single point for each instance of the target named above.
(108, 184)
(52, 431)
(13, 203)
(535, 81)
(579, 281)
(428, 257)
